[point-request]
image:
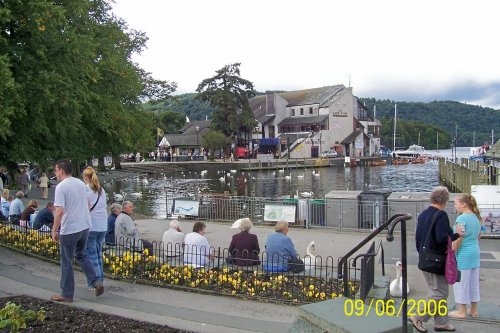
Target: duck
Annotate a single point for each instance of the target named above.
(396, 287)
(310, 258)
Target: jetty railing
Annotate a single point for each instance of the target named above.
(459, 177)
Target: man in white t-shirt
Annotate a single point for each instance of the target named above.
(196, 248)
(72, 215)
(173, 240)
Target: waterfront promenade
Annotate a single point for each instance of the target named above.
(20, 274)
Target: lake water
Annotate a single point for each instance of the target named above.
(150, 196)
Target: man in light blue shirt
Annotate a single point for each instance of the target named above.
(16, 208)
(280, 249)
(73, 216)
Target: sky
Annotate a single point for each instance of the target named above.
(401, 50)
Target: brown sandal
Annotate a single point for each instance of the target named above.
(417, 324)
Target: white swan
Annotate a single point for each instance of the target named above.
(310, 258)
(135, 195)
(281, 170)
(288, 177)
(119, 197)
(307, 194)
(300, 176)
(232, 171)
(396, 288)
(145, 181)
(222, 179)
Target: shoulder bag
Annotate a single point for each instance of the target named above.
(430, 260)
(451, 273)
(95, 203)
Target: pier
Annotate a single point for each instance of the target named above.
(460, 176)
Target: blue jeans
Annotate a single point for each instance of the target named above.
(73, 245)
(94, 251)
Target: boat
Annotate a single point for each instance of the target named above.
(419, 160)
(378, 163)
(400, 161)
(414, 151)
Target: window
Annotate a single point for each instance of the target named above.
(301, 111)
(293, 112)
(311, 110)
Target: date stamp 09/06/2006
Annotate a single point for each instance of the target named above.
(389, 307)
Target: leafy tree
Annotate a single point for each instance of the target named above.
(412, 132)
(229, 94)
(214, 140)
(171, 122)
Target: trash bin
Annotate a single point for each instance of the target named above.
(342, 209)
(415, 203)
(318, 212)
(373, 210)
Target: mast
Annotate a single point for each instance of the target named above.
(394, 134)
(492, 138)
(437, 140)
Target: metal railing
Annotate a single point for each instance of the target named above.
(199, 269)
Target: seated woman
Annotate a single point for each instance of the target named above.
(244, 248)
(281, 251)
(31, 209)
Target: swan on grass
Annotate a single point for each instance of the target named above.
(310, 258)
(396, 288)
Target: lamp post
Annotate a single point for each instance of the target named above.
(197, 134)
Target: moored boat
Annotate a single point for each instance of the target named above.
(399, 161)
(414, 151)
(378, 163)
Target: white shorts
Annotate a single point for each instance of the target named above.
(467, 290)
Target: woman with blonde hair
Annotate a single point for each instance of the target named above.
(96, 198)
(467, 252)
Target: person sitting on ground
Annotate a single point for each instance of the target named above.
(196, 247)
(173, 240)
(31, 209)
(16, 208)
(126, 231)
(45, 217)
(280, 250)
(115, 209)
(244, 248)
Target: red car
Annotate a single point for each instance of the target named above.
(241, 152)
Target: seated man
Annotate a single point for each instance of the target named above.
(16, 208)
(280, 250)
(196, 247)
(173, 240)
(115, 209)
(45, 217)
(126, 231)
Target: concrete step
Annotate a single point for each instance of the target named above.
(331, 316)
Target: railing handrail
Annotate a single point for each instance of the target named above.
(342, 269)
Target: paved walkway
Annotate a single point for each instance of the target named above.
(20, 274)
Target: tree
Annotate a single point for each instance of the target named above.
(171, 122)
(214, 140)
(229, 94)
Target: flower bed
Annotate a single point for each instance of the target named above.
(143, 267)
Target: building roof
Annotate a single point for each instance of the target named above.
(304, 120)
(323, 96)
(190, 128)
(182, 140)
(352, 137)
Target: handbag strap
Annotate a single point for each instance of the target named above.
(98, 196)
(430, 229)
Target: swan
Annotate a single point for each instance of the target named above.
(315, 173)
(288, 177)
(222, 179)
(281, 170)
(300, 176)
(145, 181)
(232, 171)
(135, 195)
(396, 288)
(310, 258)
(119, 197)
(307, 194)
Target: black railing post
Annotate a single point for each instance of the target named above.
(404, 262)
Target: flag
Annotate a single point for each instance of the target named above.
(159, 131)
(187, 119)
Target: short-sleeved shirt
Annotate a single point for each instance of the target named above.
(98, 215)
(16, 207)
(468, 253)
(196, 249)
(71, 195)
